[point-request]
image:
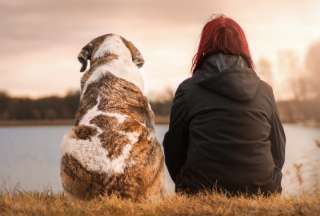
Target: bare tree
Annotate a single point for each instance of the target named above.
(312, 65)
(264, 69)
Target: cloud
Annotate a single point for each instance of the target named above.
(43, 37)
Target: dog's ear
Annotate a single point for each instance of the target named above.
(135, 53)
(85, 55)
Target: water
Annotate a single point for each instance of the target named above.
(29, 158)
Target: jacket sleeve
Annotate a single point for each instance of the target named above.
(176, 139)
(278, 138)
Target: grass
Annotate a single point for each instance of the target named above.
(205, 204)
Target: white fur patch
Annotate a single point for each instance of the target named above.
(113, 44)
(91, 114)
(120, 117)
(122, 67)
(91, 154)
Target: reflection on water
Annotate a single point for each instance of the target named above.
(29, 158)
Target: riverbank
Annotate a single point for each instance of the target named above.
(67, 122)
(59, 122)
(49, 204)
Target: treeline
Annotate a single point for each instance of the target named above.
(54, 107)
(46, 108)
(59, 108)
(300, 111)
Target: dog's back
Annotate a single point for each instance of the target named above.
(112, 149)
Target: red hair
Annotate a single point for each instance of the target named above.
(222, 35)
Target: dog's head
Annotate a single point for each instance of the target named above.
(113, 44)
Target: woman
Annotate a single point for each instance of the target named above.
(224, 132)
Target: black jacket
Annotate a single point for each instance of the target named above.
(225, 131)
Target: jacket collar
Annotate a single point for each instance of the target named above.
(228, 75)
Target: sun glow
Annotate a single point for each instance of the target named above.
(37, 63)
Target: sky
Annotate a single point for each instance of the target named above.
(40, 39)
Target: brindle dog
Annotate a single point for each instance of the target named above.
(112, 148)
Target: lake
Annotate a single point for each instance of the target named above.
(29, 158)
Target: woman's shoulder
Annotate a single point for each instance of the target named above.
(186, 84)
(267, 88)
(182, 90)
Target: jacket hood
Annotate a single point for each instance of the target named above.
(228, 75)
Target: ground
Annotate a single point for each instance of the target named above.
(47, 203)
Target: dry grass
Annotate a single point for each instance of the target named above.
(206, 204)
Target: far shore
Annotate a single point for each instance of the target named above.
(59, 122)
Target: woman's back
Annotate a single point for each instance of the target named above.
(224, 128)
(229, 124)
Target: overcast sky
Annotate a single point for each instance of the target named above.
(40, 39)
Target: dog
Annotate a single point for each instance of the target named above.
(112, 148)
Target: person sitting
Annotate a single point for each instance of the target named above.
(224, 133)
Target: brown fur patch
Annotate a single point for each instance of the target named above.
(108, 57)
(89, 100)
(135, 53)
(84, 132)
(78, 181)
(85, 77)
(111, 139)
(87, 51)
(123, 97)
(136, 183)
